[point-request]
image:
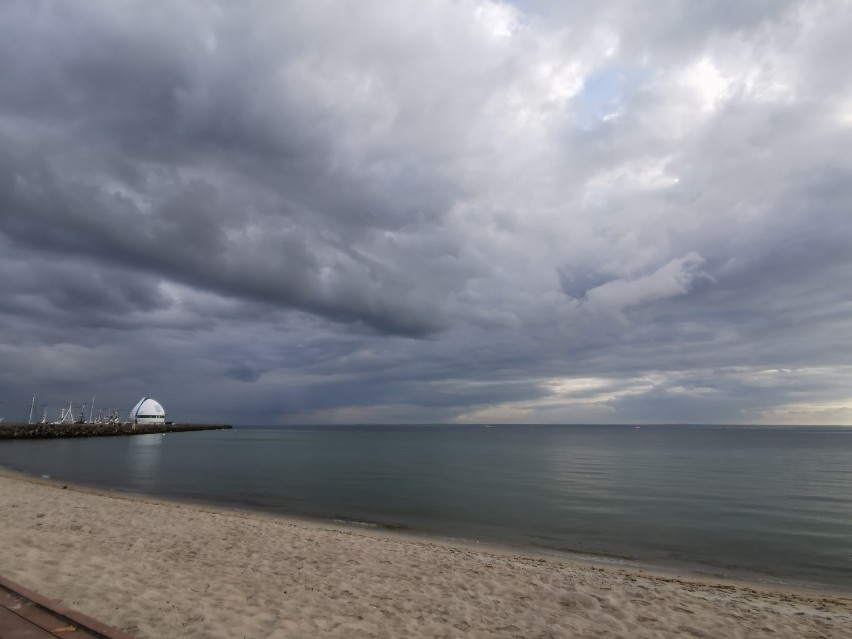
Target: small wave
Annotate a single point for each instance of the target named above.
(354, 522)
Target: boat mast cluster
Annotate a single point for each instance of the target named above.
(67, 415)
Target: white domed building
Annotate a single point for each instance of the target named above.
(148, 411)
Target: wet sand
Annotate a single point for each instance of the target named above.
(162, 569)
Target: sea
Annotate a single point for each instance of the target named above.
(769, 504)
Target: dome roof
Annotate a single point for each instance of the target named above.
(147, 407)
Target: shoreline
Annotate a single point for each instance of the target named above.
(155, 567)
(679, 571)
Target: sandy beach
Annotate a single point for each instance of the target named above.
(161, 569)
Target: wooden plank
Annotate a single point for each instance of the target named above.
(14, 627)
(8, 599)
(41, 617)
(49, 621)
(87, 627)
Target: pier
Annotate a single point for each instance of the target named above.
(54, 431)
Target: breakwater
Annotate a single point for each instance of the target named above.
(54, 431)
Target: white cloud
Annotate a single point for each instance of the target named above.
(670, 280)
(707, 83)
(634, 175)
(497, 19)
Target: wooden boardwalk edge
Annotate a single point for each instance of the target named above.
(83, 621)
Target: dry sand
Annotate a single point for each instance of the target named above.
(162, 570)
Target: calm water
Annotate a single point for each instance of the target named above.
(769, 502)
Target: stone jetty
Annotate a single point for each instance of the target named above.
(52, 431)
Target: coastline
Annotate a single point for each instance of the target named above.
(707, 574)
(156, 567)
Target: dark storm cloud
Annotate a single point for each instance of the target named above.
(131, 99)
(428, 211)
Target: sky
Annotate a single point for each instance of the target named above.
(424, 211)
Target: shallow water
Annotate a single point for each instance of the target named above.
(772, 503)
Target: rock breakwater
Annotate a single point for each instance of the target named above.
(53, 431)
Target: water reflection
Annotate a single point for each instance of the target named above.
(145, 455)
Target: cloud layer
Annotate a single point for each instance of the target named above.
(428, 211)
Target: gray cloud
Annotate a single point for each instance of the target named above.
(438, 211)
